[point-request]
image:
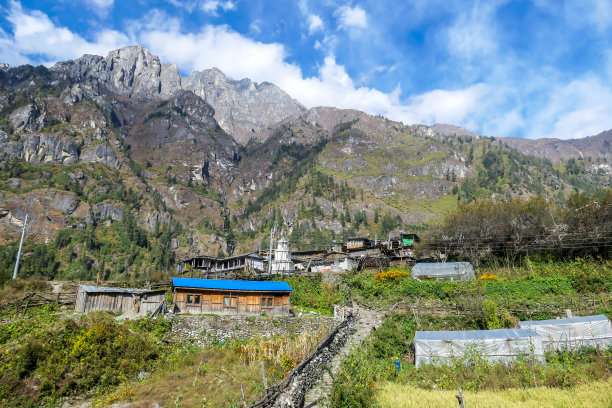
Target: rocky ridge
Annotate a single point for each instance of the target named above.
(242, 108)
(557, 150)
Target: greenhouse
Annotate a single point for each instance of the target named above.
(449, 271)
(500, 345)
(572, 333)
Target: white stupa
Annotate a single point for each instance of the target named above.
(282, 258)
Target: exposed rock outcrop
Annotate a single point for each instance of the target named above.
(243, 108)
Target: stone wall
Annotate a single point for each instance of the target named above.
(292, 391)
(206, 329)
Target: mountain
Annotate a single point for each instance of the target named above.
(243, 108)
(556, 150)
(124, 167)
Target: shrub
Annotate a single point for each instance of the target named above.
(94, 353)
(489, 310)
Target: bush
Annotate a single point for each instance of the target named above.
(313, 293)
(489, 310)
(72, 357)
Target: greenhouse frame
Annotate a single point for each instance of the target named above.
(448, 271)
(500, 345)
(572, 333)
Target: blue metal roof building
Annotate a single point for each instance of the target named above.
(223, 284)
(235, 297)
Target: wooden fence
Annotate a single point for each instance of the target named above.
(34, 299)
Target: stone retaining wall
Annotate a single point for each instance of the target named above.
(292, 391)
(206, 329)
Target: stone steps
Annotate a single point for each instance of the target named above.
(367, 321)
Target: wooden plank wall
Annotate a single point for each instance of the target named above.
(117, 302)
(246, 303)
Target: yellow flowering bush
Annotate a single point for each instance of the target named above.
(390, 275)
(488, 276)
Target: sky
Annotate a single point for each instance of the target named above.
(539, 68)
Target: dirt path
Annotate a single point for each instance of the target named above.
(367, 321)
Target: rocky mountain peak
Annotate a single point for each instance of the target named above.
(130, 71)
(243, 108)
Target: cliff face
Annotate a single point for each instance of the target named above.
(243, 108)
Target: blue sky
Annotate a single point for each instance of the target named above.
(539, 68)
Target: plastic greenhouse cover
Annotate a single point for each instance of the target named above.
(501, 345)
(572, 333)
(444, 270)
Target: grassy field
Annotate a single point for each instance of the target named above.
(596, 394)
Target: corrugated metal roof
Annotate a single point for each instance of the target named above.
(264, 286)
(103, 289)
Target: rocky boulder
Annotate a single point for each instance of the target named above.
(101, 153)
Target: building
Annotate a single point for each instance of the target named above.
(572, 333)
(443, 271)
(282, 264)
(230, 296)
(136, 302)
(357, 243)
(210, 265)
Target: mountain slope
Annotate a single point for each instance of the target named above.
(123, 168)
(556, 150)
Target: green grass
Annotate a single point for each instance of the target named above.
(314, 294)
(554, 283)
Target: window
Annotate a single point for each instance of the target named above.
(193, 299)
(229, 301)
(266, 302)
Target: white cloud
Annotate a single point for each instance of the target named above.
(591, 13)
(212, 7)
(255, 27)
(351, 17)
(187, 5)
(100, 7)
(472, 33)
(580, 108)
(35, 34)
(314, 23)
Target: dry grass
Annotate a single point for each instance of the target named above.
(210, 378)
(590, 395)
(18, 288)
(277, 350)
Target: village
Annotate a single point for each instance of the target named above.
(237, 287)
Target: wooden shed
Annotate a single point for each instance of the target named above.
(230, 296)
(126, 300)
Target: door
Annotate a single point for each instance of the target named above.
(242, 304)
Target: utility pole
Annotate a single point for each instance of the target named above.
(25, 222)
